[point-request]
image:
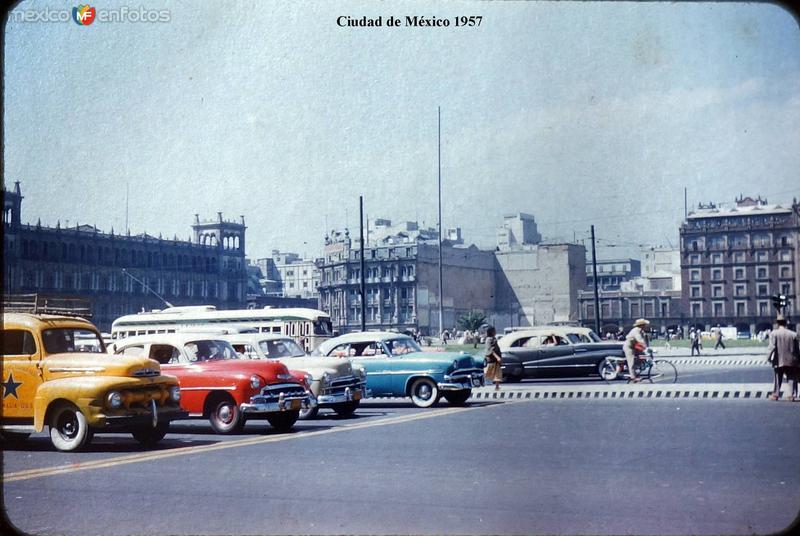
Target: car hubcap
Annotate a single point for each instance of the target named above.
(424, 392)
(68, 427)
(225, 414)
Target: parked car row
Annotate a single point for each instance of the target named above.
(52, 376)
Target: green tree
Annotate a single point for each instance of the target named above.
(472, 321)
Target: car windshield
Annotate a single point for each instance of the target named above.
(281, 348)
(204, 350)
(58, 341)
(405, 345)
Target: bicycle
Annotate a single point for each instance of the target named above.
(648, 368)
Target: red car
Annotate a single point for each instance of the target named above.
(217, 385)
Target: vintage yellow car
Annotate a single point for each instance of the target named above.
(56, 372)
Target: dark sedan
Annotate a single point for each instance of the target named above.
(554, 351)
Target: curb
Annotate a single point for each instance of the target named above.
(625, 391)
(719, 361)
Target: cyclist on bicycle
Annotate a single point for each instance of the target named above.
(636, 345)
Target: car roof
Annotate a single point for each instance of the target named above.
(44, 321)
(361, 336)
(168, 338)
(255, 337)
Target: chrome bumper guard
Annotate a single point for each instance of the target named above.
(275, 399)
(462, 379)
(348, 395)
(351, 393)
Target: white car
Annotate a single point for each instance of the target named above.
(334, 382)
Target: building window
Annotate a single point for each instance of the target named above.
(741, 308)
(716, 274)
(717, 291)
(697, 309)
(786, 288)
(740, 290)
(718, 308)
(762, 256)
(763, 308)
(694, 259)
(716, 258)
(694, 275)
(786, 271)
(763, 289)
(696, 291)
(786, 255)
(635, 310)
(738, 257)
(762, 272)
(739, 273)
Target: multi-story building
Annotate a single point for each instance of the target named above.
(289, 275)
(733, 259)
(522, 283)
(517, 232)
(619, 309)
(611, 273)
(120, 274)
(538, 284)
(402, 283)
(655, 295)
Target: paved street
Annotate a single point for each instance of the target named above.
(638, 466)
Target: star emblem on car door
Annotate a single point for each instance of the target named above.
(10, 386)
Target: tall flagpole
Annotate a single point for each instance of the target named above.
(441, 279)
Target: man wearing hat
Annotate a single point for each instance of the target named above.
(782, 354)
(635, 344)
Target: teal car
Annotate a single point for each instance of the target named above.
(396, 366)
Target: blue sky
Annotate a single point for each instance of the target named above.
(578, 113)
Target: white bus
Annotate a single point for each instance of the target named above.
(309, 327)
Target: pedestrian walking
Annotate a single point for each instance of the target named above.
(719, 340)
(784, 356)
(694, 337)
(493, 359)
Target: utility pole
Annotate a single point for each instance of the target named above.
(596, 293)
(363, 280)
(441, 279)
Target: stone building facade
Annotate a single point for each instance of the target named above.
(522, 283)
(611, 273)
(402, 284)
(120, 274)
(734, 259)
(289, 275)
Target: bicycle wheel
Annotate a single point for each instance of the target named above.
(662, 371)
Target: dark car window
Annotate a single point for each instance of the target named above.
(165, 353)
(17, 342)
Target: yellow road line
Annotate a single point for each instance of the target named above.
(162, 454)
